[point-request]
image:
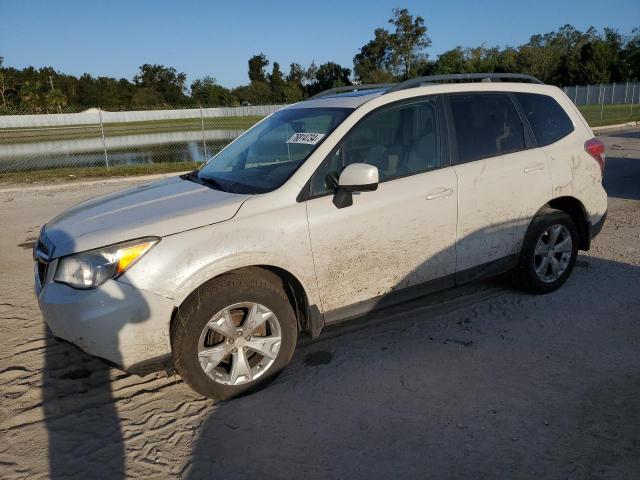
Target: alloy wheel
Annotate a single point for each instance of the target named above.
(553, 253)
(239, 343)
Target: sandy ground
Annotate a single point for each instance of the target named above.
(478, 382)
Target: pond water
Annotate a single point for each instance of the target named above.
(189, 146)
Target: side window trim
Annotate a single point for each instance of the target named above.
(444, 143)
(529, 137)
(444, 130)
(451, 131)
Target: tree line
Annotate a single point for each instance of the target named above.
(564, 57)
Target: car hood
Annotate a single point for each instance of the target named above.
(156, 209)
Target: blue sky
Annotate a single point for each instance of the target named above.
(200, 38)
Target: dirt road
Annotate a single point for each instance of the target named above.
(478, 382)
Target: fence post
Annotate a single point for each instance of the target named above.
(626, 92)
(601, 99)
(587, 102)
(575, 95)
(633, 95)
(613, 89)
(204, 140)
(104, 143)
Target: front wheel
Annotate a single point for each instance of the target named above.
(234, 335)
(549, 252)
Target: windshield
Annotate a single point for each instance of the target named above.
(264, 157)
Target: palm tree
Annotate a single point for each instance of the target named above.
(55, 99)
(30, 96)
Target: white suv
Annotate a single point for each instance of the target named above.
(323, 211)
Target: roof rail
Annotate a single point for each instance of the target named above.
(463, 77)
(351, 88)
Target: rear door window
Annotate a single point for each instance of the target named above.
(485, 125)
(548, 120)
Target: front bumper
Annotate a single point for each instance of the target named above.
(117, 322)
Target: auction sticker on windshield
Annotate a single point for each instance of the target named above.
(306, 138)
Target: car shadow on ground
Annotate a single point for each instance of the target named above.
(622, 172)
(478, 381)
(481, 381)
(512, 386)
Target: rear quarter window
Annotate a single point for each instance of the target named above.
(547, 118)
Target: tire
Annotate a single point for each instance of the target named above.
(256, 291)
(528, 274)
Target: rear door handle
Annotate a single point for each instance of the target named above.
(533, 167)
(439, 193)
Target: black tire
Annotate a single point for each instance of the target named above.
(525, 274)
(255, 285)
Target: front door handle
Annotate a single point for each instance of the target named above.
(439, 193)
(533, 167)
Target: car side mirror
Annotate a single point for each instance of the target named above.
(357, 177)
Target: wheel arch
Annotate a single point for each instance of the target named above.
(310, 319)
(578, 213)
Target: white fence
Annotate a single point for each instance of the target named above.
(606, 93)
(95, 116)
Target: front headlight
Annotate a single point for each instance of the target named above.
(90, 269)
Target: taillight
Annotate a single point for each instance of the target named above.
(595, 148)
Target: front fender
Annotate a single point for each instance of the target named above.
(180, 263)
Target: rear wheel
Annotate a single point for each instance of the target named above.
(234, 335)
(549, 252)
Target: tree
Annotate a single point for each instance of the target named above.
(54, 100)
(207, 92)
(408, 41)
(372, 63)
(146, 97)
(330, 75)
(310, 73)
(276, 78)
(166, 81)
(257, 64)
(4, 84)
(593, 63)
(256, 93)
(451, 61)
(108, 92)
(296, 74)
(30, 96)
(631, 55)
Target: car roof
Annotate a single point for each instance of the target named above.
(340, 100)
(356, 95)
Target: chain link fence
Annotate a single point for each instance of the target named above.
(120, 138)
(607, 104)
(627, 93)
(97, 138)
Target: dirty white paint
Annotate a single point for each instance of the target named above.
(574, 172)
(266, 231)
(497, 199)
(402, 234)
(388, 239)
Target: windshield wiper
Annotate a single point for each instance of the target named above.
(212, 182)
(208, 181)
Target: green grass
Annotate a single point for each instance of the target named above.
(69, 174)
(611, 114)
(24, 135)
